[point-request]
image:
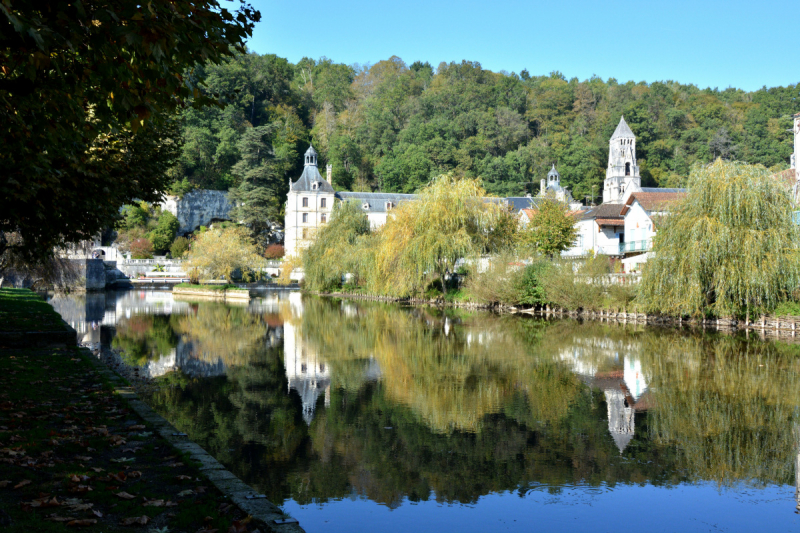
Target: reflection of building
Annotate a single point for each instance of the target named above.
(625, 389)
(306, 371)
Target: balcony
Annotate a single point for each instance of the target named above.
(613, 249)
(637, 246)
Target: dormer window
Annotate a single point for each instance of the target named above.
(314, 186)
(365, 206)
(389, 205)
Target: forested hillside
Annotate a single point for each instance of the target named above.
(392, 126)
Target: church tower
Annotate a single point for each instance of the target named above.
(622, 168)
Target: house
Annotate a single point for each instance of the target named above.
(600, 231)
(309, 204)
(641, 213)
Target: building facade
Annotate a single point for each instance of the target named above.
(623, 170)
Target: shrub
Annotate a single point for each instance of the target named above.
(141, 249)
(274, 251)
(164, 232)
(179, 247)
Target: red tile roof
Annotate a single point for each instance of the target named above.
(655, 201)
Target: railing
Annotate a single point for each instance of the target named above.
(165, 262)
(613, 249)
(796, 218)
(637, 246)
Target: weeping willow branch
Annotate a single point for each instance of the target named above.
(730, 247)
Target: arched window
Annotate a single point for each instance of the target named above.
(627, 169)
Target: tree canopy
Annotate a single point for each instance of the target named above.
(394, 127)
(731, 246)
(88, 91)
(551, 229)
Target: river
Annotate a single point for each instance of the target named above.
(357, 416)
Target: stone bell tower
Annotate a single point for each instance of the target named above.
(622, 168)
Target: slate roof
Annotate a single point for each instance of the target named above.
(376, 200)
(623, 130)
(522, 202)
(657, 189)
(604, 211)
(310, 176)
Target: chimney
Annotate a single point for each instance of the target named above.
(329, 172)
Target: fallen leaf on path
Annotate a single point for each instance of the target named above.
(82, 523)
(185, 493)
(136, 520)
(154, 503)
(123, 460)
(97, 469)
(56, 518)
(237, 527)
(134, 473)
(22, 483)
(125, 495)
(97, 513)
(182, 477)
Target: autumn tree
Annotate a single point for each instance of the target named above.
(551, 229)
(730, 247)
(217, 253)
(88, 92)
(451, 220)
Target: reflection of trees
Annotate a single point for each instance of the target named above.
(144, 337)
(219, 331)
(729, 405)
(490, 406)
(246, 420)
(451, 380)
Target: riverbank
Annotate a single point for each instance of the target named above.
(767, 324)
(212, 292)
(77, 448)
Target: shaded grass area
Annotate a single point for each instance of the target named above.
(73, 454)
(24, 310)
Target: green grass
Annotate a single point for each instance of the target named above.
(787, 309)
(24, 310)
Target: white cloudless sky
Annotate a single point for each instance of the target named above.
(709, 43)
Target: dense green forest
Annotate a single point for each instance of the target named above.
(392, 126)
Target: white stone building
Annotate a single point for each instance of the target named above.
(308, 205)
(310, 201)
(623, 170)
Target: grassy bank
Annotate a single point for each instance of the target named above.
(24, 310)
(72, 453)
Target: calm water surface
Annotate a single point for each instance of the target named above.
(373, 417)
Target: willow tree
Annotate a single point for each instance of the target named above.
(729, 247)
(450, 220)
(333, 254)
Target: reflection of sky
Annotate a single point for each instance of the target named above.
(624, 507)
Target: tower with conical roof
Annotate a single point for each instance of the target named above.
(622, 168)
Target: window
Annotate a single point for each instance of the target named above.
(627, 169)
(323, 203)
(305, 234)
(305, 202)
(305, 218)
(324, 219)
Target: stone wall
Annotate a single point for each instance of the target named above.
(198, 208)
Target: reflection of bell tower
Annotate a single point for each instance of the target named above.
(306, 371)
(620, 417)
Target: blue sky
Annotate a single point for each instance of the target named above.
(709, 43)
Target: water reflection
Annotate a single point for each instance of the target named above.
(324, 401)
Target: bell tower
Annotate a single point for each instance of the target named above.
(622, 168)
